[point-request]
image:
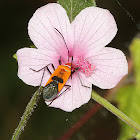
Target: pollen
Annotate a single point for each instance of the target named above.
(84, 66)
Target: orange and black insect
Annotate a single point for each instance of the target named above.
(57, 82)
(58, 78)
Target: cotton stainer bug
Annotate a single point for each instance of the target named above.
(58, 78)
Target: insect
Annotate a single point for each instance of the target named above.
(58, 78)
(57, 82)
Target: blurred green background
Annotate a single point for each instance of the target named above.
(50, 123)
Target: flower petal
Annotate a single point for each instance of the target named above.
(42, 30)
(93, 29)
(76, 96)
(35, 59)
(110, 66)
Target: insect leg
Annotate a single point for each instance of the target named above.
(44, 71)
(81, 80)
(42, 77)
(44, 68)
(53, 67)
(75, 70)
(68, 86)
(60, 62)
(71, 66)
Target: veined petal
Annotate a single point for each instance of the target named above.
(42, 30)
(30, 58)
(93, 29)
(76, 96)
(110, 66)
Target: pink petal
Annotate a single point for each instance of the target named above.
(35, 59)
(42, 26)
(76, 96)
(110, 66)
(93, 29)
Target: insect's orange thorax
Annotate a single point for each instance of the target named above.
(68, 65)
(63, 72)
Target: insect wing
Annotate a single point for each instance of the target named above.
(50, 91)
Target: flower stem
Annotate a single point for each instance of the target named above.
(115, 111)
(27, 113)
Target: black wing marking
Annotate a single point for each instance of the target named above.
(57, 79)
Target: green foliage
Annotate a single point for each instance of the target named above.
(15, 56)
(33, 46)
(128, 103)
(73, 7)
(135, 51)
(137, 136)
(128, 97)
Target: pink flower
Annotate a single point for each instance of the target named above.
(86, 37)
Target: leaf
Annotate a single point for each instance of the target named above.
(135, 52)
(128, 102)
(73, 7)
(128, 97)
(15, 56)
(33, 46)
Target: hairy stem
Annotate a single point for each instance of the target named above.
(115, 111)
(27, 113)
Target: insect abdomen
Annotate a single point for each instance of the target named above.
(50, 91)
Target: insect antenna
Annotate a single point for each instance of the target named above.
(71, 66)
(64, 41)
(128, 14)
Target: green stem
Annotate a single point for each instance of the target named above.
(28, 112)
(115, 111)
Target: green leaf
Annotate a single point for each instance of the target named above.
(73, 7)
(128, 102)
(33, 46)
(137, 136)
(128, 97)
(135, 52)
(15, 56)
